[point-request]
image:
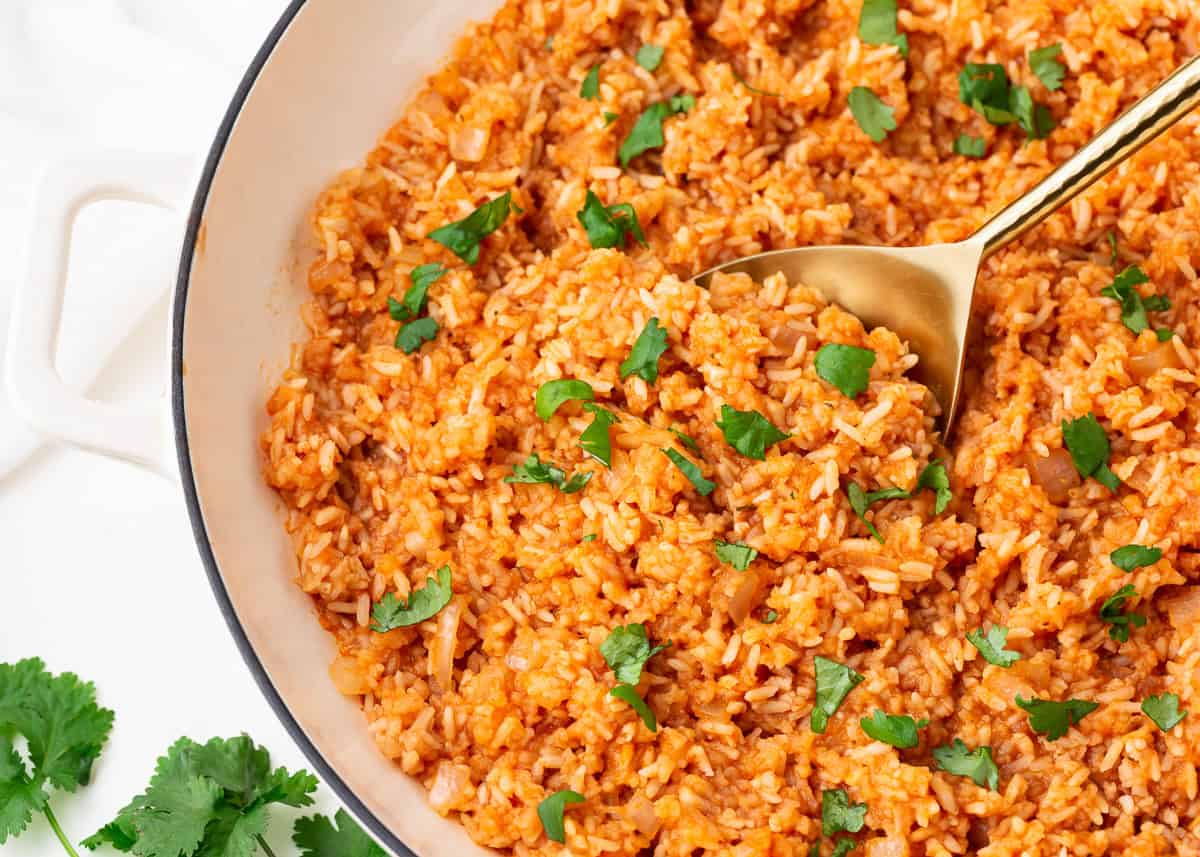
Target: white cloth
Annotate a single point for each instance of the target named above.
(98, 571)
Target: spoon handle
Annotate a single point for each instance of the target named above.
(1137, 126)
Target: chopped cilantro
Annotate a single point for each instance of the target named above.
(1164, 334)
(991, 646)
(839, 815)
(770, 618)
(843, 846)
(752, 88)
(1088, 444)
(550, 813)
(609, 226)
(877, 25)
(1134, 307)
(936, 479)
(691, 471)
(899, 730)
(737, 554)
(1112, 613)
(413, 303)
(642, 361)
(861, 501)
(1113, 256)
(970, 147)
(649, 56)
(317, 837)
(626, 650)
(590, 89)
(410, 336)
(874, 117)
(846, 367)
(1047, 66)
(206, 799)
(553, 394)
(686, 439)
(956, 758)
(64, 731)
(1164, 711)
(424, 603)
(595, 439)
(590, 537)
(609, 117)
(834, 681)
(985, 88)
(749, 432)
(628, 694)
(462, 238)
(1132, 557)
(1035, 119)
(1053, 719)
(647, 132)
(534, 471)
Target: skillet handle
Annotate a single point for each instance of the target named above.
(136, 432)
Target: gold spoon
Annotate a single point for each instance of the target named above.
(924, 294)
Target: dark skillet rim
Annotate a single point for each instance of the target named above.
(328, 775)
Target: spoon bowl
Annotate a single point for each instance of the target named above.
(924, 294)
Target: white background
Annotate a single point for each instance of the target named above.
(98, 571)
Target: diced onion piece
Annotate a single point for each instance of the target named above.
(640, 812)
(347, 676)
(469, 143)
(892, 846)
(1184, 609)
(1161, 356)
(745, 597)
(441, 647)
(786, 336)
(449, 785)
(1056, 474)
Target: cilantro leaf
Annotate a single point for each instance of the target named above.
(1088, 444)
(316, 836)
(838, 814)
(643, 358)
(874, 117)
(415, 297)
(737, 554)
(595, 439)
(627, 693)
(1164, 711)
(462, 238)
(970, 147)
(936, 479)
(984, 87)
(1112, 612)
(686, 439)
(834, 682)
(609, 118)
(647, 132)
(64, 731)
(899, 730)
(609, 226)
(877, 25)
(771, 617)
(1132, 557)
(691, 471)
(843, 846)
(1113, 255)
(208, 799)
(956, 758)
(1134, 307)
(553, 394)
(424, 603)
(749, 432)
(411, 335)
(626, 650)
(1046, 65)
(649, 56)
(991, 646)
(590, 89)
(846, 367)
(861, 501)
(550, 812)
(534, 471)
(1035, 119)
(1164, 334)
(1053, 719)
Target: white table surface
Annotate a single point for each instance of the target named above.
(99, 572)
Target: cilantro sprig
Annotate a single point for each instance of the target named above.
(643, 358)
(647, 132)
(552, 395)
(64, 731)
(985, 88)
(1053, 719)
(1112, 612)
(873, 116)
(846, 367)
(1164, 711)
(550, 813)
(877, 25)
(626, 650)
(318, 836)
(1134, 307)
(463, 237)
(834, 682)
(595, 439)
(957, 758)
(899, 730)
(1129, 558)
(839, 815)
(991, 646)
(691, 471)
(861, 501)
(534, 471)
(424, 603)
(749, 432)
(737, 554)
(609, 225)
(1046, 65)
(1085, 439)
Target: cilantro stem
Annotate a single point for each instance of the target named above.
(58, 831)
(263, 844)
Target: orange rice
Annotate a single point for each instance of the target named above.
(392, 465)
